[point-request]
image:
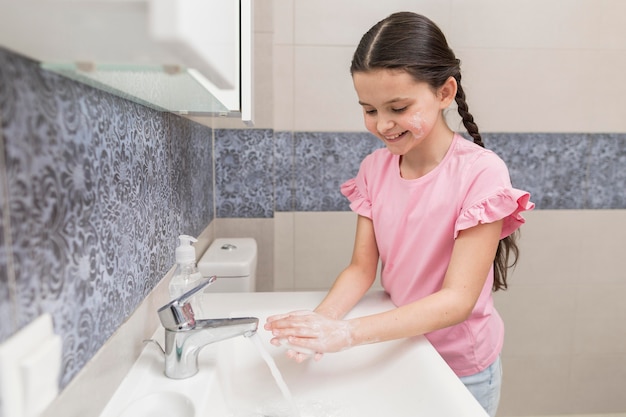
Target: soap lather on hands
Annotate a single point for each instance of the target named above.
(308, 333)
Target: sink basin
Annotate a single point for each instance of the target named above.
(397, 378)
(373, 380)
(166, 404)
(146, 391)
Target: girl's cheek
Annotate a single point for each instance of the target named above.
(417, 123)
(370, 125)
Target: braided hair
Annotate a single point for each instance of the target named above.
(415, 44)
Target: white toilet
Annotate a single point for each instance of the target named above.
(233, 261)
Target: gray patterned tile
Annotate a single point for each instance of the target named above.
(7, 326)
(550, 166)
(606, 184)
(191, 172)
(244, 182)
(323, 161)
(98, 190)
(284, 160)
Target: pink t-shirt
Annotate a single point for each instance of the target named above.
(416, 223)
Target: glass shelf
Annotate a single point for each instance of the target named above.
(174, 89)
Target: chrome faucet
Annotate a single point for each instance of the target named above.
(185, 336)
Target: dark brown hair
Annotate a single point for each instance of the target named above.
(413, 43)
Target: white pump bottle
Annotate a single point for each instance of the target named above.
(186, 276)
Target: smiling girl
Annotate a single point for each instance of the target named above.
(438, 211)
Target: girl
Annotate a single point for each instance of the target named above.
(438, 210)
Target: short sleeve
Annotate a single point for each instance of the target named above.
(359, 202)
(506, 203)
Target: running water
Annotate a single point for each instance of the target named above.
(295, 412)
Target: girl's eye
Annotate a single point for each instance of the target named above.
(370, 111)
(399, 110)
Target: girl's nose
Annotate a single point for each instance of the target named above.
(384, 124)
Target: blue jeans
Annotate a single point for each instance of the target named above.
(485, 386)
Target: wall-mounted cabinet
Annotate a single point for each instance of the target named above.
(189, 57)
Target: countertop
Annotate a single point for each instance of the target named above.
(409, 376)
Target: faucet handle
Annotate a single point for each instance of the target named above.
(178, 314)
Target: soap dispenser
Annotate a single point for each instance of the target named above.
(186, 276)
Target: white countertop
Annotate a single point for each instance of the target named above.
(417, 380)
(398, 378)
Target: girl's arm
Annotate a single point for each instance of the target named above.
(472, 257)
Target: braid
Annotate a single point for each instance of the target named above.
(507, 246)
(468, 119)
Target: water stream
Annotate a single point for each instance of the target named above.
(289, 407)
(280, 381)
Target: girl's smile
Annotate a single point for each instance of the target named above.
(396, 137)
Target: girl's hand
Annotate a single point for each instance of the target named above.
(310, 331)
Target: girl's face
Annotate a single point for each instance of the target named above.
(398, 110)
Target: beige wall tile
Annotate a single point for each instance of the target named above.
(597, 383)
(548, 243)
(601, 233)
(263, 81)
(283, 22)
(599, 319)
(538, 320)
(284, 251)
(534, 384)
(331, 22)
(324, 97)
(283, 87)
(264, 16)
(538, 24)
(323, 245)
(544, 90)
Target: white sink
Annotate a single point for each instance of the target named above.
(398, 378)
(372, 380)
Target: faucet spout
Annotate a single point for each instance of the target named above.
(183, 346)
(185, 336)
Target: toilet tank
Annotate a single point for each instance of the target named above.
(233, 261)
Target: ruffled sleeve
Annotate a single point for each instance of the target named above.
(507, 204)
(359, 203)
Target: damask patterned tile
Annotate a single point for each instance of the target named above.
(284, 160)
(243, 170)
(98, 191)
(6, 284)
(606, 184)
(200, 153)
(549, 166)
(324, 161)
(191, 172)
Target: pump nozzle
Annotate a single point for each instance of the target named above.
(185, 253)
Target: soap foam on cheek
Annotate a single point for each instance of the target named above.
(417, 122)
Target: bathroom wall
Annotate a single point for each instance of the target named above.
(93, 192)
(540, 80)
(537, 77)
